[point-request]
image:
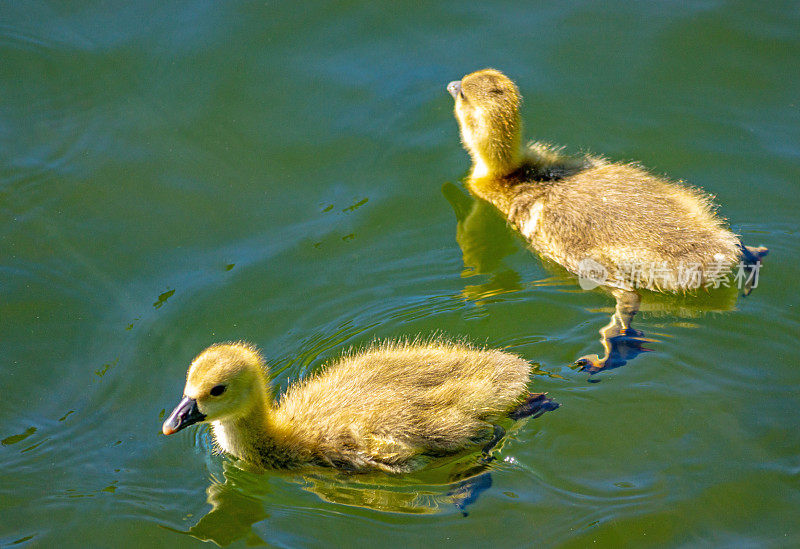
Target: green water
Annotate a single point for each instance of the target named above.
(172, 175)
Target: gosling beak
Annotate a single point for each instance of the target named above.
(184, 414)
(454, 88)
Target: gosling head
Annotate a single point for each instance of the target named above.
(487, 109)
(223, 382)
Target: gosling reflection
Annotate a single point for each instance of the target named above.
(234, 510)
(621, 342)
(485, 240)
(242, 499)
(426, 493)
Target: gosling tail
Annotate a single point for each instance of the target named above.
(533, 406)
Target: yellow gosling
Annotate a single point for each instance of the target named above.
(586, 213)
(385, 408)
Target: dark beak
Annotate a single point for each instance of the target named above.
(454, 88)
(184, 414)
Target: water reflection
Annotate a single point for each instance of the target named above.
(424, 493)
(621, 342)
(233, 513)
(241, 499)
(485, 240)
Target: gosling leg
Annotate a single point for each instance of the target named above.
(620, 341)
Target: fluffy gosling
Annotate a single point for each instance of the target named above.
(586, 213)
(385, 408)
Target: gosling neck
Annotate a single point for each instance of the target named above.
(494, 184)
(496, 163)
(251, 436)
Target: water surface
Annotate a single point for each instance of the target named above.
(172, 175)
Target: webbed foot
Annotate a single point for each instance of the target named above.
(534, 406)
(590, 363)
(625, 346)
(752, 256)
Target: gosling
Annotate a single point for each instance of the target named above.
(387, 408)
(617, 223)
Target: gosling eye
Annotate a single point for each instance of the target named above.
(217, 390)
(461, 93)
